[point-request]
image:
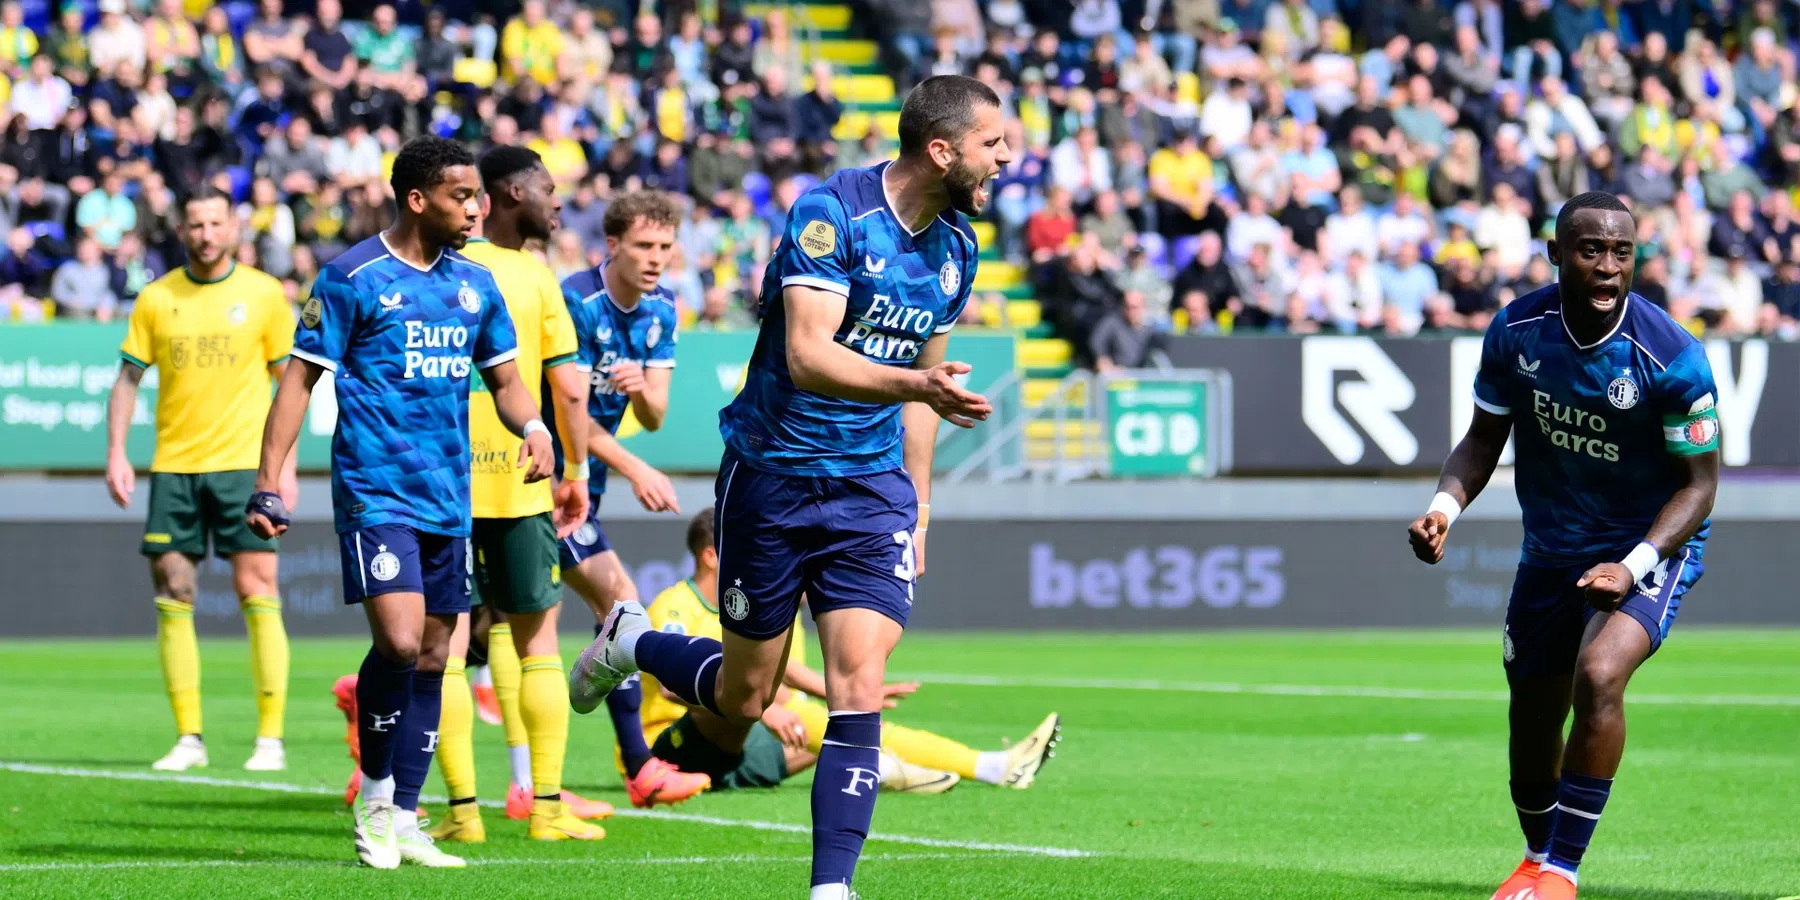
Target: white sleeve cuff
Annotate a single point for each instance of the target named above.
(659, 364)
(814, 281)
(315, 359)
(508, 356)
(1494, 408)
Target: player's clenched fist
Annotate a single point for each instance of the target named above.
(1427, 537)
(949, 399)
(1606, 585)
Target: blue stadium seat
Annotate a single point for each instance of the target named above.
(805, 181)
(1156, 249)
(51, 230)
(1185, 249)
(240, 183)
(239, 13)
(38, 15)
(757, 188)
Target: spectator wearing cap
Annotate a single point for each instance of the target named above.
(1226, 57)
(329, 56)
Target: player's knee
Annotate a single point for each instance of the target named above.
(253, 583)
(857, 688)
(1600, 681)
(175, 583)
(400, 649)
(746, 707)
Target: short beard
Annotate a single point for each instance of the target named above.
(961, 183)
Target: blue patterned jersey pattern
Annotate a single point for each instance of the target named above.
(901, 288)
(1597, 429)
(402, 343)
(608, 333)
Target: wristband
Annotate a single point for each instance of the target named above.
(575, 471)
(924, 517)
(270, 505)
(1446, 504)
(1641, 560)
(535, 425)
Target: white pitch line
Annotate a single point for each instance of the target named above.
(208, 781)
(1319, 690)
(473, 861)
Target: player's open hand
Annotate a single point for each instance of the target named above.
(571, 507)
(1427, 537)
(541, 458)
(949, 399)
(1606, 585)
(786, 724)
(892, 694)
(627, 377)
(655, 492)
(121, 479)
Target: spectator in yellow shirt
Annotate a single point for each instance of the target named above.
(532, 45)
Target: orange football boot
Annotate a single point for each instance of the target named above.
(1519, 885)
(659, 782)
(345, 692)
(1554, 886)
(487, 704)
(583, 808)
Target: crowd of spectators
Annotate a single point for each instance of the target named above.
(1185, 166)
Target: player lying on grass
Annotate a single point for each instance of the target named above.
(827, 468)
(626, 322)
(215, 364)
(788, 739)
(403, 320)
(1611, 407)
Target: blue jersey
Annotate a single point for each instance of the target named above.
(402, 343)
(609, 333)
(901, 288)
(1595, 428)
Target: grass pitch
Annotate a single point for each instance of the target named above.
(1237, 765)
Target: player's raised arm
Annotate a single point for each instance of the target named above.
(818, 363)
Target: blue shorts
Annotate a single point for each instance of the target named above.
(1547, 614)
(843, 541)
(589, 540)
(400, 559)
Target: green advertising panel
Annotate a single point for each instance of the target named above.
(54, 382)
(1157, 428)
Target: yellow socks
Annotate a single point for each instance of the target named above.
(268, 662)
(503, 665)
(922, 748)
(544, 705)
(456, 732)
(180, 652)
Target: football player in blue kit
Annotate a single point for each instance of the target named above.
(1611, 405)
(626, 325)
(825, 485)
(402, 320)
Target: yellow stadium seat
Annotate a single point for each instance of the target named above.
(824, 17)
(1044, 353)
(1023, 313)
(984, 233)
(478, 72)
(858, 88)
(998, 276)
(843, 53)
(1187, 87)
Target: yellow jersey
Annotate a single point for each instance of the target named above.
(546, 339)
(681, 610)
(1184, 173)
(537, 48)
(212, 343)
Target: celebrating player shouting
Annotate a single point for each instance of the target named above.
(402, 320)
(1617, 443)
(214, 364)
(827, 468)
